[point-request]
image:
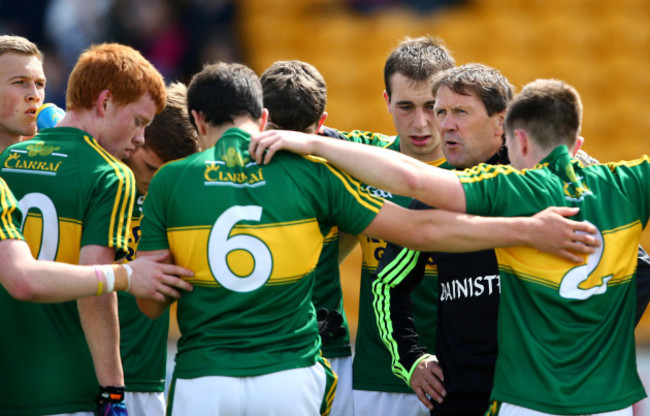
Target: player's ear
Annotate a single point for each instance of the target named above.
(579, 142)
(199, 121)
(523, 141)
(321, 121)
(499, 120)
(102, 101)
(387, 99)
(264, 118)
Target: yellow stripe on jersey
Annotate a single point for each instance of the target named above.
(69, 237)
(353, 186)
(294, 248)
(481, 172)
(209, 227)
(123, 203)
(7, 213)
(628, 163)
(618, 261)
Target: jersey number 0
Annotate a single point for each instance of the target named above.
(50, 228)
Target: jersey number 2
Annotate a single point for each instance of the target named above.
(570, 285)
(220, 244)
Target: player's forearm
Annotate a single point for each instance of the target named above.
(43, 281)
(100, 323)
(440, 230)
(382, 168)
(99, 320)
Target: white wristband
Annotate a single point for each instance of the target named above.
(129, 272)
(110, 278)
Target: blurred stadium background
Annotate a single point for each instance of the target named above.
(602, 47)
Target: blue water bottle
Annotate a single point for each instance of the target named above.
(48, 115)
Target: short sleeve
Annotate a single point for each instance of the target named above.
(11, 216)
(108, 216)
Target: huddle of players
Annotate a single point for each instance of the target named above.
(465, 288)
(245, 213)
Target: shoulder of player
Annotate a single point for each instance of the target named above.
(486, 171)
(370, 138)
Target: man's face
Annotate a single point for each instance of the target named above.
(122, 127)
(144, 163)
(411, 105)
(22, 91)
(469, 135)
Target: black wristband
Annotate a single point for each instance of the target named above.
(110, 394)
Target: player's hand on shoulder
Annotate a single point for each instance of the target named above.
(263, 145)
(555, 234)
(156, 280)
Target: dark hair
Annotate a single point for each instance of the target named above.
(171, 135)
(223, 91)
(549, 110)
(488, 84)
(417, 59)
(295, 95)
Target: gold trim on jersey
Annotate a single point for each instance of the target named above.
(548, 270)
(8, 208)
(482, 172)
(123, 203)
(628, 163)
(353, 186)
(291, 262)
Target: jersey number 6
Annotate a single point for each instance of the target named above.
(220, 244)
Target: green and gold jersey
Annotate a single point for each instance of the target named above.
(566, 331)
(72, 193)
(372, 368)
(252, 234)
(328, 292)
(10, 215)
(143, 341)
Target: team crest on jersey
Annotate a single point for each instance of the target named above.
(21, 161)
(575, 190)
(233, 158)
(218, 173)
(41, 149)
